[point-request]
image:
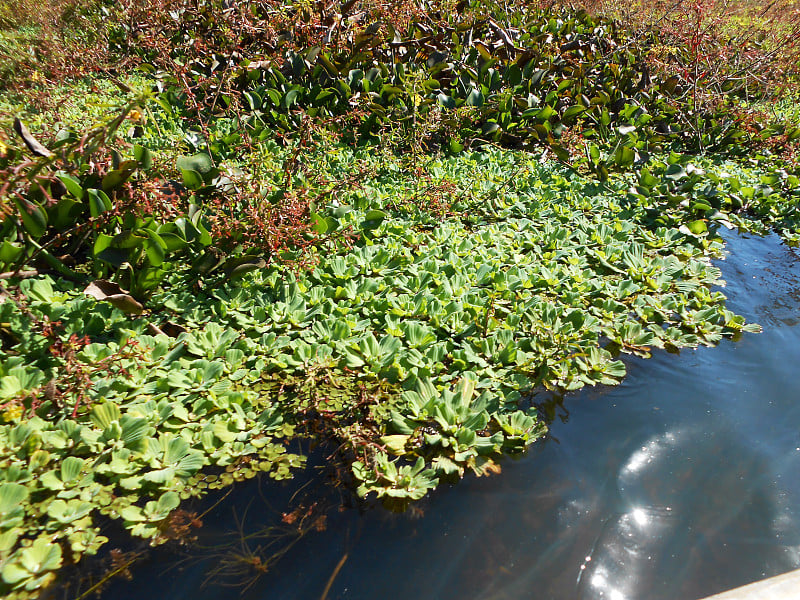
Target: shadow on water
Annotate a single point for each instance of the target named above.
(682, 482)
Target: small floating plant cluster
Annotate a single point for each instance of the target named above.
(172, 320)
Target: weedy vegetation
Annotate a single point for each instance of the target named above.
(385, 227)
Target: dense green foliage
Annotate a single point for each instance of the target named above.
(340, 239)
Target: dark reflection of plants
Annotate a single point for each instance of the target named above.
(266, 529)
(252, 553)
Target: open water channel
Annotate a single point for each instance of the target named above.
(682, 482)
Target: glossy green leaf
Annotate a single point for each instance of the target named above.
(200, 163)
(192, 179)
(10, 252)
(33, 216)
(143, 156)
(99, 202)
(72, 184)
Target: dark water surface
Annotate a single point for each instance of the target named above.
(682, 482)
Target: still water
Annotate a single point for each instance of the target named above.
(682, 482)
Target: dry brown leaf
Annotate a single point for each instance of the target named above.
(108, 291)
